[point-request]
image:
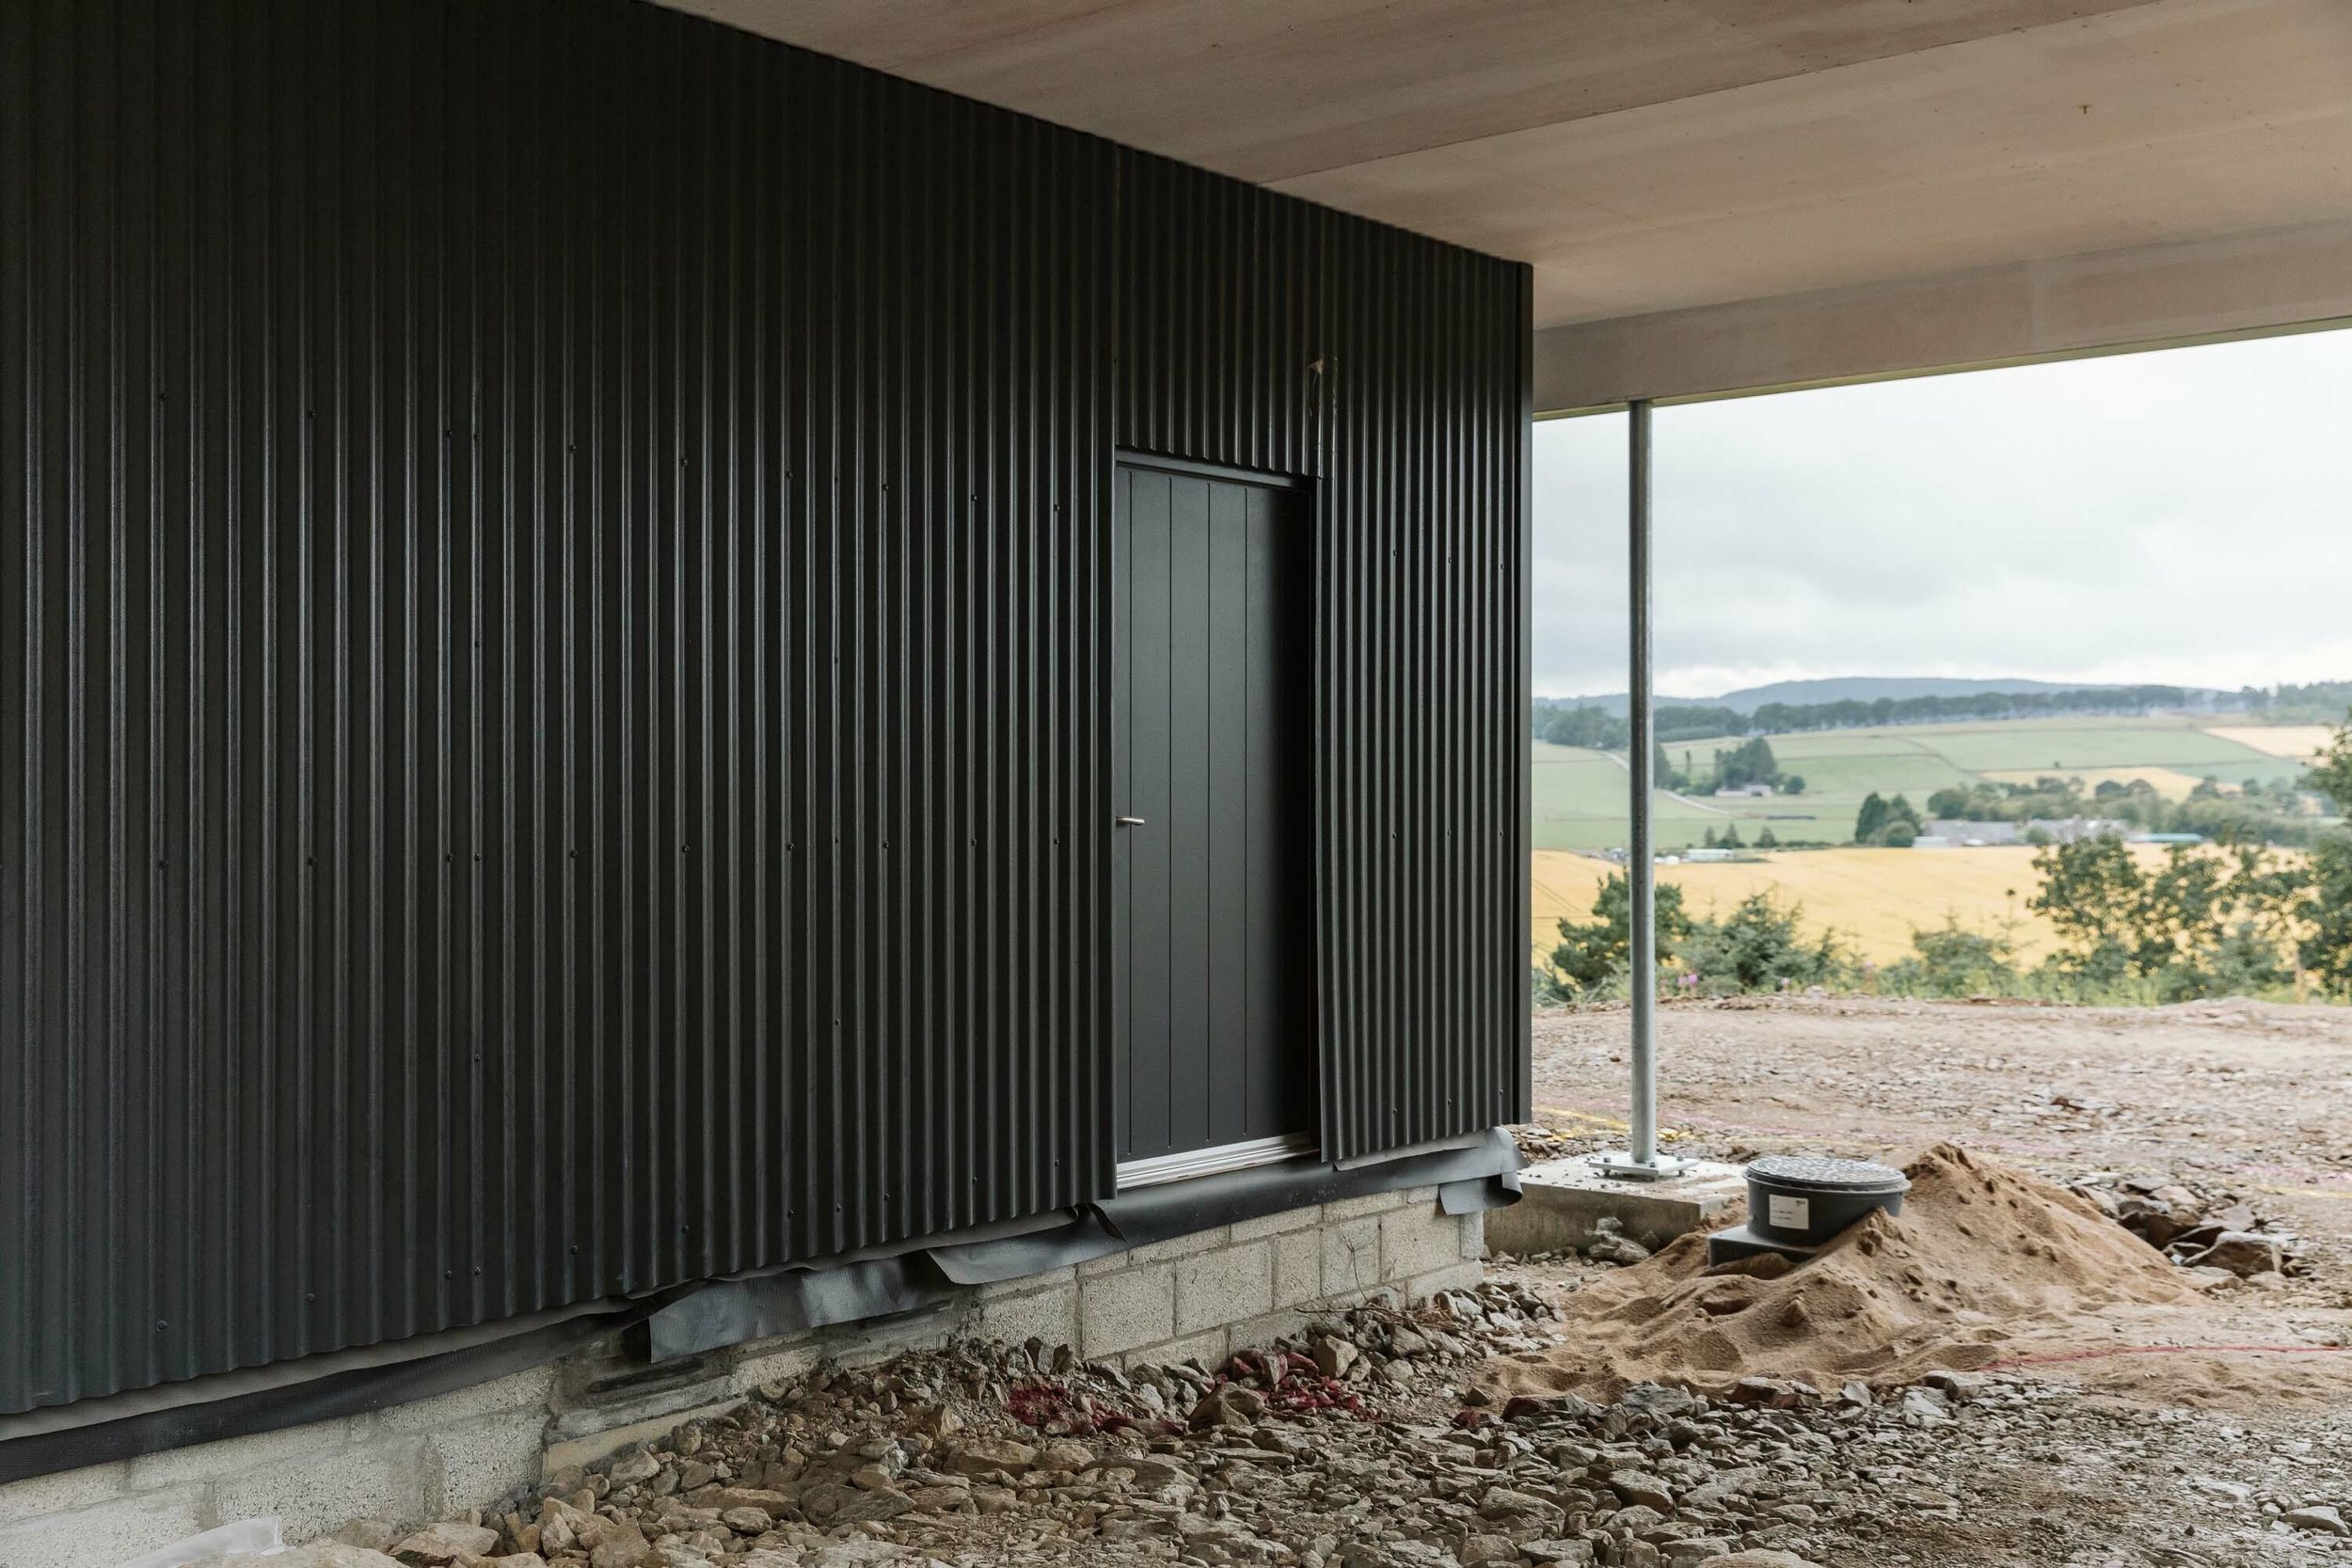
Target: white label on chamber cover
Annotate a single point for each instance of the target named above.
(1790, 1214)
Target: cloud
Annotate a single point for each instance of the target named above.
(2183, 516)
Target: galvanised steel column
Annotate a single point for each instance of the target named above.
(1641, 870)
(1640, 1161)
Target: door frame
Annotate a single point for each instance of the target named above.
(1187, 1164)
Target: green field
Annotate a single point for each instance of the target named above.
(1578, 798)
(2058, 745)
(1580, 802)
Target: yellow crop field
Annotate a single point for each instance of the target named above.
(2299, 741)
(1875, 898)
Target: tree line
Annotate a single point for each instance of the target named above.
(1583, 724)
(1598, 730)
(2319, 702)
(2261, 811)
(1852, 713)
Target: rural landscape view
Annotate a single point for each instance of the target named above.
(2024, 683)
(2000, 839)
(1951, 838)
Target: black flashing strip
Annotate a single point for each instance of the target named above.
(711, 1314)
(280, 1404)
(1481, 1175)
(1477, 1194)
(1181, 1208)
(1089, 1235)
(736, 1311)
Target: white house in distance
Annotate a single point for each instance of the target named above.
(1744, 792)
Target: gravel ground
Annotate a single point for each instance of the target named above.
(2190, 1459)
(1374, 1440)
(2243, 1096)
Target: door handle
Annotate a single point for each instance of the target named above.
(1127, 821)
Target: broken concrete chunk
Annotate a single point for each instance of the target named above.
(764, 1499)
(632, 1468)
(376, 1535)
(1334, 1356)
(446, 1543)
(2322, 1519)
(1621, 1250)
(2244, 1253)
(318, 1554)
(1643, 1488)
(982, 1456)
(624, 1547)
(1227, 1405)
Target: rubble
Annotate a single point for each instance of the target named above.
(2320, 1517)
(1609, 1244)
(2195, 1226)
(1383, 1440)
(321, 1554)
(446, 1543)
(1018, 1453)
(1537, 1143)
(1366, 1441)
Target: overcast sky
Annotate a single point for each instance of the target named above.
(2181, 516)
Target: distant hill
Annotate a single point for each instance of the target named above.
(1863, 688)
(1869, 688)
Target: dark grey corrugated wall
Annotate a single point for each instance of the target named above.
(552, 657)
(1264, 333)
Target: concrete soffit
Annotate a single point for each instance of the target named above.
(1741, 195)
(2262, 283)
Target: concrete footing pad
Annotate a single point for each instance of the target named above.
(1562, 1201)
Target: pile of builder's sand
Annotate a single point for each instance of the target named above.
(1985, 1265)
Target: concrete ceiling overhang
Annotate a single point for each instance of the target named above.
(1734, 172)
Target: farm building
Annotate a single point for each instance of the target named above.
(2040, 829)
(1954, 830)
(684, 688)
(2074, 829)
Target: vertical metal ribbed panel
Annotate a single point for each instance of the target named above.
(550, 645)
(553, 659)
(1264, 333)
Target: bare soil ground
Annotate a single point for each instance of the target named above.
(2172, 1447)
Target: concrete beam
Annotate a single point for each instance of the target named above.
(2110, 301)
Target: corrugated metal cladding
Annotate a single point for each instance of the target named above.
(552, 637)
(1264, 333)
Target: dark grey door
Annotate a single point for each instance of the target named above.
(1213, 891)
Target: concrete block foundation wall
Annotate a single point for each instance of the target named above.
(1208, 1294)
(1200, 1297)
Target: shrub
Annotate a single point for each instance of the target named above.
(2326, 912)
(1952, 960)
(1591, 957)
(1758, 947)
(2246, 961)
